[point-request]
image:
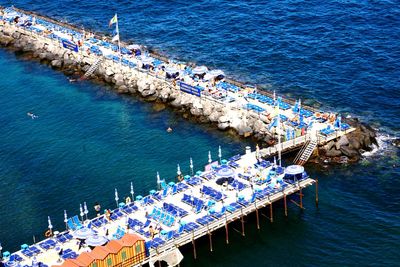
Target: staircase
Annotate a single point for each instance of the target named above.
(306, 152)
(92, 68)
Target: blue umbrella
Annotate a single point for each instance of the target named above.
(96, 240)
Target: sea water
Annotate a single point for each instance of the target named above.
(88, 140)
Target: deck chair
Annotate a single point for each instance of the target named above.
(147, 223)
(181, 229)
(77, 222)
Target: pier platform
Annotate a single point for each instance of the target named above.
(176, 214)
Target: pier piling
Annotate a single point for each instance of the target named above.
(316, 192)
(242, 220)
(285, 204)
(301, 199)
(226, 232)
(257, 218)
(194, 247)
(211, 246)
(271, 215)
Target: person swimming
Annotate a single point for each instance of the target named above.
(33, 116)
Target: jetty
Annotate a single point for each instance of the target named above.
(206, 94)
(151, 228)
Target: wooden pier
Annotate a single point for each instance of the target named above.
(187, 238)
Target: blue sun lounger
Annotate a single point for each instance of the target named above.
(47, 244)
(156, 242)
(191, 226)
(181, 229)
(64, 238)
(233, 207)
(133, 223)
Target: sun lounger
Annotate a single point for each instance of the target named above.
(181, 229)
(233, 207)
(156, 242)
(191, 226)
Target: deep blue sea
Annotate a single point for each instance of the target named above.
(88, 140)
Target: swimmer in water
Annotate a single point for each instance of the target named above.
(33, 116)
(169, 129)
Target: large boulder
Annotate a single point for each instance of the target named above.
(343, 141)
(6, 40)
(56, 63)
(396, 142)
(119, 79)
(333, 152)
(223, 125)
(349, 151)
(214, 116)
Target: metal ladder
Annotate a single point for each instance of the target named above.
(306, 152)
(92, 68)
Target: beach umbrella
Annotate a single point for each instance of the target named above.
(83, 233)
(96, 240)
(225, 172)
(147, 60)
(216, 73)
(171, 70)
(294, 169)
(85, 210)
(116, 196)
(65, 219)
(81, 211)
(191, 166)
(132, 192)
(209, 157)
(200, 70)
(49, 221)
(219, 153)
(133, 46)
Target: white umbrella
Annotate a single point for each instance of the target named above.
(147, 60)
(216, 73)
(83, 233)
(133, 46)
(171, 70)
(200, 70)
(96, 240)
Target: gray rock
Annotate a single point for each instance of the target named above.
(6, 40)
(349, 151)
(333, 152)
(355, 143)
(223, 125)
(123, 89)
(119, 79)
(343, 141)
(214, 116)
(56, 63)
(396, 142)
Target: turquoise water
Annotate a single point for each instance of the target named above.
(89, 140)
